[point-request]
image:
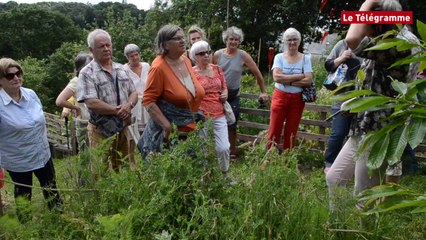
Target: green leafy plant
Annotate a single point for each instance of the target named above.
(407, 123)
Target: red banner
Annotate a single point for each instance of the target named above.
(1, 178)
(323, 3)
(376, 17)
(271, 53)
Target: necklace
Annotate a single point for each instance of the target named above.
(207, 72)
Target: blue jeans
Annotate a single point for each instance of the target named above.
(339, 130)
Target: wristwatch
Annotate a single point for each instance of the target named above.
(132, 105)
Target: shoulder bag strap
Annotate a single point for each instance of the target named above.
(117, 90)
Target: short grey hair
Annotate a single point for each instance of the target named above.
(198, 47)
(93, 34)
(165, 33)
(390, 5)
(292, 32)
(232, 31)
(129, 48)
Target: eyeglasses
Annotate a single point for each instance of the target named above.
(204, 53)
(181, 38)
(292, 40)
(11, 76)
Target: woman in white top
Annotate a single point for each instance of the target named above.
(138, 72)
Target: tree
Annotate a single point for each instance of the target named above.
(125, 30)
(34, 76)
(60, 69)
(34, 32)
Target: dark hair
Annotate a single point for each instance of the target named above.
(81, 60)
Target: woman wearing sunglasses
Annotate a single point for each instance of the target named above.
(211, 78)
(24, 148)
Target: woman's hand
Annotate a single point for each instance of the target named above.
(264, 97)
(76, 111)
(223, 96)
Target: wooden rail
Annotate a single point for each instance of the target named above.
(317, 129)
(62, 140)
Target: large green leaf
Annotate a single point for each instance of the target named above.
(378, 153)
(362, 104)
(419, 111)
(408, 60)
(343, 86)
(400, 87)
(422, 66)
(352, 94)
(385, 106)
(385, 190)
(404, 45)
(372, 137)
(395, 204)
(385, 44)
(398, 142)
(421, 28)
(417, 131)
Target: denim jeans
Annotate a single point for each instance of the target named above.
(339, 130)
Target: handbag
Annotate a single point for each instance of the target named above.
(229, 114)
(109, 124)
(309, 94)
(336, 78)
(227, 109)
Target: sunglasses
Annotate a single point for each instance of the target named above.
(11, 76)
(204, 53)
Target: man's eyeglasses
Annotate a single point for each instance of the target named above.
(10, 76)
(204, 53)
(178, 39)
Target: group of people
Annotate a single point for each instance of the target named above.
(137, 103)
(353, 50)
(122, 101)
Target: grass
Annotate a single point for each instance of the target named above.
(183, 195)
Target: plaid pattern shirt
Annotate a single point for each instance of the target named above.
(95, 82)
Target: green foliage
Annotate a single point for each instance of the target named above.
(60, 69)
(407, 123)
(182, 194)
(34, 32)
(35, 76)
(118, 28)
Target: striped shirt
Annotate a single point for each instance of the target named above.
(95, 82)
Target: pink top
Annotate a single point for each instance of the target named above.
(213, 87)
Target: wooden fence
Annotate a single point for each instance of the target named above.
(312, 130)
(62, 140)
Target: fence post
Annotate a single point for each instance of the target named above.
(323, 116)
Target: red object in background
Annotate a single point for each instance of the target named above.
(271, 53)
(323, 3)
(331, 13)
(324, 36)
(1, 178)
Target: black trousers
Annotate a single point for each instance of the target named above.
(46, 177)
